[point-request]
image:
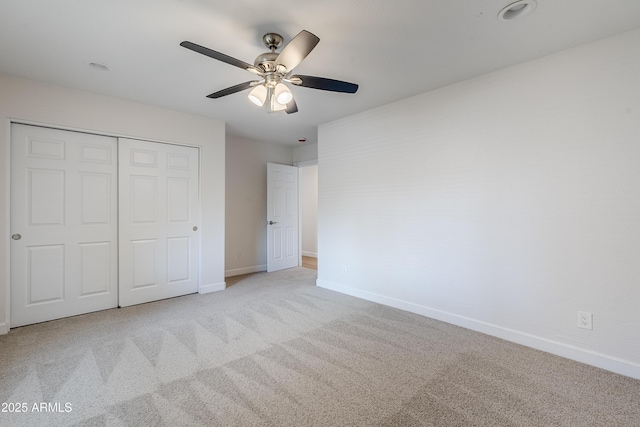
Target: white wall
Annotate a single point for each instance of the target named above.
(305, 153)
(246, 203)
(505, 204)
(38, 103)
(308, 184)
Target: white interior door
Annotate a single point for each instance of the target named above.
(159, 218)
(282, 217)
(63, 223)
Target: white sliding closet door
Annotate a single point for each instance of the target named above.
(159, 219)
(63, 223)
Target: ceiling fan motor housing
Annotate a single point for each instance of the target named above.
(266, 61)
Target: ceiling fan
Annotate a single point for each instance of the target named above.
(275, 69)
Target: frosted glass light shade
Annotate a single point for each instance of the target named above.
(283, 94)
(258, 95)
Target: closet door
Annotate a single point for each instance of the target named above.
(159, 219)
(63, 223)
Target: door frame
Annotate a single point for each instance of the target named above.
(302, 165)
(6, 326)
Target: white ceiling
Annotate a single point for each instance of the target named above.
(392, 49)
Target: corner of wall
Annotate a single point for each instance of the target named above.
(214, 287)
(304, 153)
(245, 270)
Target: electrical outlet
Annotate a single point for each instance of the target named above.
(344, 269)
(240, 255)
(585, 320)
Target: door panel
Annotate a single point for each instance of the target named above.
(94, 206)
(143, 263)
(95, 260)
(282, 217)
(46, 197)
(178, 259)
(45, 278)
(177, 200)
(63, 207)
(159, 209)
(143, 204)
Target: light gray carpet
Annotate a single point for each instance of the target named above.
(274, 350)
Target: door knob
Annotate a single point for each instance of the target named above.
(273, 222)
(16, 237)
(195, 228)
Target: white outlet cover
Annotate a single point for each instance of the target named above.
(585, 320)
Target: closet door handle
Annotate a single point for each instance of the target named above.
(16, 237)
(273, 222)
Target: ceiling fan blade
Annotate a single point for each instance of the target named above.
(297, 49)
(323, 83)
(217, 55)
(233, 89)
(292, 107)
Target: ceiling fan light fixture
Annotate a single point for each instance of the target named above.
(258, 95)
(275, 70)
(283, 94)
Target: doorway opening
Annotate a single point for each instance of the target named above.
(308, 185)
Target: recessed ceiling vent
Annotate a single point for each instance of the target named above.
(517, 10)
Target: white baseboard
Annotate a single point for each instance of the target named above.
(599, 360)
(245, 270)
(4, 328)
(310, 254)
(214, 287)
